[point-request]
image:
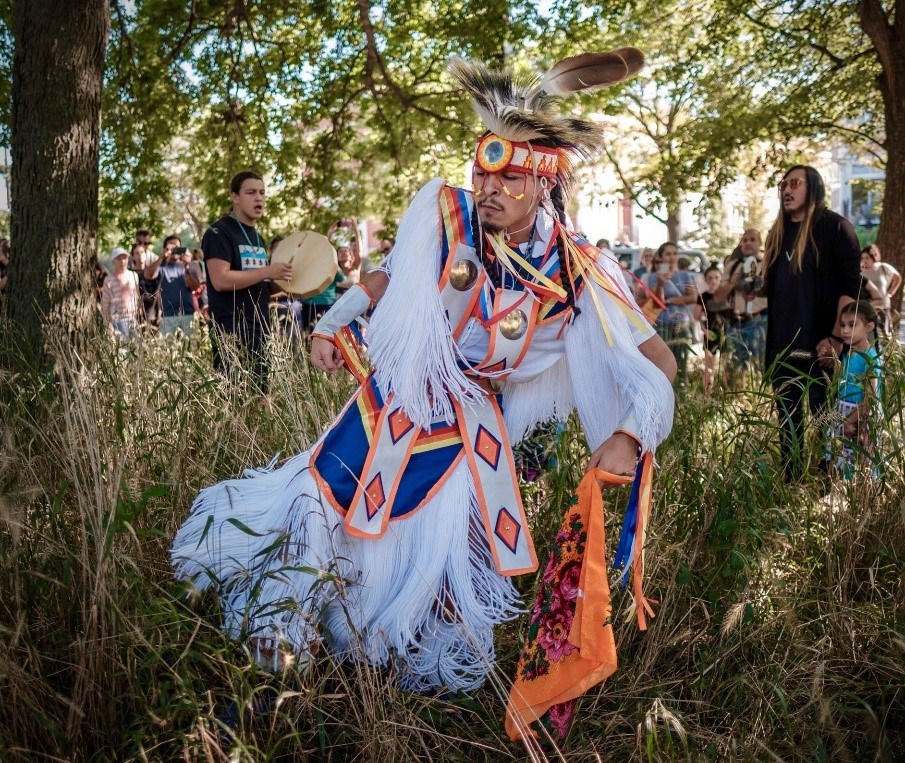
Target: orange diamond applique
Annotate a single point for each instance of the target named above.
(488, 447)
(507, 529)
(374, 496)
(400, 425)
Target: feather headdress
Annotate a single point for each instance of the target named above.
(527, 110)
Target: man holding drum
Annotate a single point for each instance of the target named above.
(395, 537)
(238, 281)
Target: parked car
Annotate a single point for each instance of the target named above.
(630, 257)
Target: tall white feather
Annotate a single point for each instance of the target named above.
(409, 339)
(606, 380)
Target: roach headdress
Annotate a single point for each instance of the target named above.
(527, 131)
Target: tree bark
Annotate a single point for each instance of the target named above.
(673, 224)
(889, 43)
(58, 66)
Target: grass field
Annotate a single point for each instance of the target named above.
(780, 632)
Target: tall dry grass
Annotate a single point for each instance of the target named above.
(779, 634)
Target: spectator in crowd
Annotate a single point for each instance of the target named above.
(646, 267)
(349, 266)
(857, 400)
(677, 290)
(811, 266)
(120, 296)
(386, 246)
(346, 238)
(604, 243)
(715, 317)
(137, 258)
(238, 279)
(100, 275)
(200, 294)
(746, 334)
(148, 297)
(4, 263)
(314, 307)
(886, 281)
(175, 281)
(143, 239)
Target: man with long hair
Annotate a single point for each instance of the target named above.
(811, 268)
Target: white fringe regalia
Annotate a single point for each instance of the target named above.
(424, 598)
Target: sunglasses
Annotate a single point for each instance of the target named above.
(791, 184)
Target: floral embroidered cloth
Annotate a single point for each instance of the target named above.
(570, 645)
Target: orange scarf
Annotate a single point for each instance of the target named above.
(570, 646)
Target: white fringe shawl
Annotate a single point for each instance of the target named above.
(607, 380)
(425, 597)
(548, 396)
(599, 380)
(409, 339)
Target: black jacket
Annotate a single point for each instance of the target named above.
(831, 271)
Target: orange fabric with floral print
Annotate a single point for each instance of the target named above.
(570, 645)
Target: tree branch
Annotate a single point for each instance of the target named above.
(375, 60)
(627, 186)
(838, 62)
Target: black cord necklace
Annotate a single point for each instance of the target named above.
(529, 251)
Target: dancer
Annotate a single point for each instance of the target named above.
(394, 538)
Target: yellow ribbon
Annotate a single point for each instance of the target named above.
(507, 256)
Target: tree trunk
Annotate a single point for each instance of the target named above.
(58, 66)
(889, 44)
(673, 224)
(891, 235)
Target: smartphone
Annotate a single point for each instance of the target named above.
(179, 250)
(663, 269)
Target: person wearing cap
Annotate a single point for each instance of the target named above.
(395, 538)
(119, 296)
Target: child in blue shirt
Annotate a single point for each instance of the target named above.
(859, 384)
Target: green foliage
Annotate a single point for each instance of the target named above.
(344, 106)
(778, 630)
(346, 109)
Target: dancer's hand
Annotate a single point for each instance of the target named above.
(325, 355)
(618, 455)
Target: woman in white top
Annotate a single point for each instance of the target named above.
(885, 279)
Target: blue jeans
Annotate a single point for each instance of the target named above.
(678, 337)
(123, 328)
(747, 341)
(169, 324)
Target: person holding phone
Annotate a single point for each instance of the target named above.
(175, 283)
(677, 290)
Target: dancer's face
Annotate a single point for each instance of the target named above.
(506, 201)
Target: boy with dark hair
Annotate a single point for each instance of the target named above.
(238, 279)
